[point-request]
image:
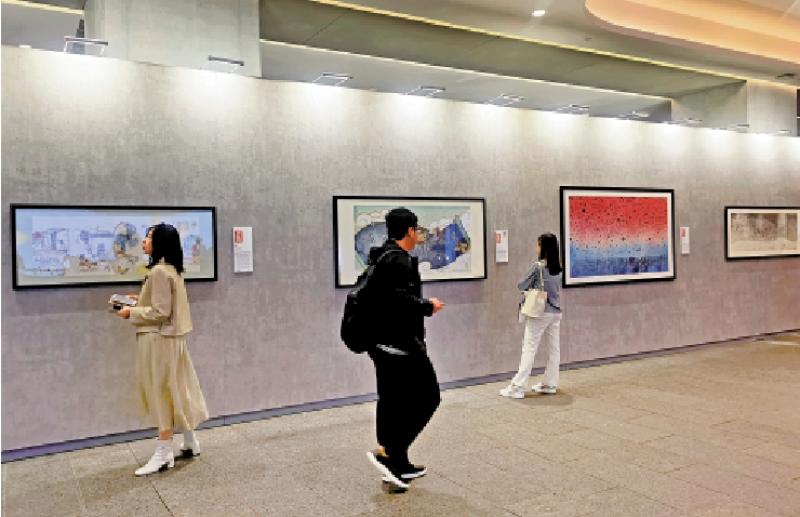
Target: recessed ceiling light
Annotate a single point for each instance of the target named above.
(426, 91)
(685, 122)
(505, 99)
(332, 79)
(783, 131)
(538, 13)
(574, 109)
(25, 46)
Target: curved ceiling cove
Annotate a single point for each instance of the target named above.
(760, 29)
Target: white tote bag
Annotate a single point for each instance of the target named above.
(535, 299)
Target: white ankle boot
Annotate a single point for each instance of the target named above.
(190, 446)
(162, 459)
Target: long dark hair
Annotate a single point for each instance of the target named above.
(549, 252)
(166, 243)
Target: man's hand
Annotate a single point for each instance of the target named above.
(124, 312)
(437, 305)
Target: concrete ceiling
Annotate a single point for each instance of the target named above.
(332, 27)
(569, 24)
(40, 29)
(279, 61)
(302, 39)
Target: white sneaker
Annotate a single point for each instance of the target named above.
(512, 391)
(544, 389)
(161, 460)
(190, 450)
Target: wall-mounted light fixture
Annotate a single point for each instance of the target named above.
(87, 46)
(634, 115)
(538, 13)
(574, 109)
(426, 91)
(224, 64)
(505, 99)
(684, 122)
(332, 79)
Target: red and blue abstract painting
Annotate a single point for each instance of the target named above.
(617, 235)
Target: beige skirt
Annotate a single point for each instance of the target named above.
(168, 384)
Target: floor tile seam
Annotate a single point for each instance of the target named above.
(743, 472)
(650, 498)
(693, 436)
(747, 451)
(743, 452)
(656, 451)
(795, 466)
(560, 500)
(650, 470)
(614, 422)
(151, 482)
(788, 436)
(736, 474)
(81, 499)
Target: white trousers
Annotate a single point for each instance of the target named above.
(545, 328)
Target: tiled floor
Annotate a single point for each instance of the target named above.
(713, 432)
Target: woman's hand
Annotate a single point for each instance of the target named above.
(124, 312)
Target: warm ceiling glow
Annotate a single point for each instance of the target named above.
(734, 24)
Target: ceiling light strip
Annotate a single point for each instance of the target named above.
(44, 7)
(440, 23)
(461, 70)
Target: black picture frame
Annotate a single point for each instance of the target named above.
(344, 230)
(732, 255)
(569, 279)
(16, 208)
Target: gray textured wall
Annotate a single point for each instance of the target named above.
(271, 155)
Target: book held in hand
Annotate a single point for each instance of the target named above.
(119, 301)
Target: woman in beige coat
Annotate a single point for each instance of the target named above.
(168, 384)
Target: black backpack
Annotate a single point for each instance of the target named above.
(358, 322)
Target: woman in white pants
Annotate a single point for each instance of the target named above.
(545, 328)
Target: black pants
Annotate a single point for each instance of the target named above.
(408, 395)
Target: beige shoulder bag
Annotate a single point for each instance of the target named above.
(535, 299)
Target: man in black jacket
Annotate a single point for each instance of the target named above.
(408, 392)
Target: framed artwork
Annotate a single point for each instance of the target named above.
(452, 239)
(617, 235)
(71, 246)
(761, 232)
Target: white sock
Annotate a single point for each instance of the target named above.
(188, 438)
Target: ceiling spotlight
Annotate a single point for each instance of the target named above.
(538, 13)
(91, 47)
(224, 64)
(426, 91)
(505, 99)
(574, 109)
(639, 114)
(783, 132)
(332, 79)
(742, 128)
(25, 46)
